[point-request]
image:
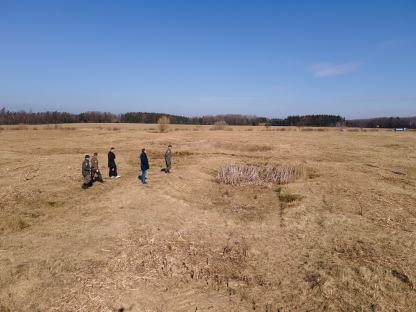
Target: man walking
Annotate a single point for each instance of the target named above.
(112, 167)
(144, 165)
(95, 171)
(86, 172)
(168, 158)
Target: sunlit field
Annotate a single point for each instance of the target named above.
(249, 219)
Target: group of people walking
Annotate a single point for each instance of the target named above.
(91, 171)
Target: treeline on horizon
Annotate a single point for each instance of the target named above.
(22, 117)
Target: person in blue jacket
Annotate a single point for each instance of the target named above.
(144, 165)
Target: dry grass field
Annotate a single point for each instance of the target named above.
(339, 236)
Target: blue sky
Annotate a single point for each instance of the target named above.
(268, 58)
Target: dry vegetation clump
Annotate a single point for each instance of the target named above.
(163, 124)
(113, 129)
(12, 224)
(219, 125)
(243, 147)
(286, 197)
(306, 129)
(20, 127)
(67, 128)
(240, 174)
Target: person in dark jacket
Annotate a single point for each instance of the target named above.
(144, 165)
(112, 167)
(86, 172)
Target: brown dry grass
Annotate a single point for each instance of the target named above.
(242, 174)
(340, 237)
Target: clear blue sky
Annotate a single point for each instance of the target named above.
(268, 58)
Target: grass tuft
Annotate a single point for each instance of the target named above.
(239, 174)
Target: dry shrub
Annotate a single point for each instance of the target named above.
(12, 224)
(243, 147)
(287, 198)
(67, 128)
(1, 128)
(306, 129)
(321, 129)
(353, 130)
(116, 129)
(219, 125)
(163, 124)
(35, 128)
(249, 129)
(280, 129)
(256, 148)
(20, 127)
(240, 174)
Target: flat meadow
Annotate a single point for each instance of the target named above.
(250, 219)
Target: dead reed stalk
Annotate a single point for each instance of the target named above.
(240, 174)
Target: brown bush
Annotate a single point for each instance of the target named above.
(20, 127)
(237, 174)
(163, 124)
(243, 147)
(12, 224)
(219, 125)
(67, 128)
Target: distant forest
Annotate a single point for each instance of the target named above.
(384, 122)
(22, 117)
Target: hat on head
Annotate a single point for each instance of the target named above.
(87, 156)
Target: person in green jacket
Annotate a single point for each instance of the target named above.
(168, 158)
(86, 172)
(95, 171)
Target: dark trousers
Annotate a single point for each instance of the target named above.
(96, 176)
(87, 181)
(112, 172)
(168, 165)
